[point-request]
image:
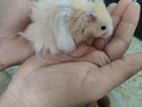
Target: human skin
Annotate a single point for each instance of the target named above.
(71, 81)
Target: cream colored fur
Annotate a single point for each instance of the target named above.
(59, 25)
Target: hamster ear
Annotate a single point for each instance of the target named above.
(91, 17)
(61, 31)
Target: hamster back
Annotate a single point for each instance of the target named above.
(59, 25)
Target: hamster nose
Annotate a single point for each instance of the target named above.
(103, 28)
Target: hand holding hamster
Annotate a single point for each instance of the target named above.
(36, 69)
(60, 25)
(14, 49)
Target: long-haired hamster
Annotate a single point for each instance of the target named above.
(60, 25)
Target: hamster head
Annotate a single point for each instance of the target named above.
(91, 18)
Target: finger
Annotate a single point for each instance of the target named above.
(121, 70)
(14, 15)
(118, 11)
(98, 58)
(38, 61)
(100, 43)
(82, 50)
(106, 78)
(123, 36)
(14, 52)
(111, 7)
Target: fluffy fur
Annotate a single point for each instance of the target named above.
(59, 25)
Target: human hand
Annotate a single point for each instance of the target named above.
(76, 83)
(14, 49)
(104, 51)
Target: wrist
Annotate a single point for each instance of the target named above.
(14, 98)
(9, 99)
(20, 96)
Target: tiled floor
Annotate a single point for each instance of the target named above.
(131, 90)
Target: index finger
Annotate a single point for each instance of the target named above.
(123, 35)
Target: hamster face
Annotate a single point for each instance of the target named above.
(59, 25)
(92, 19)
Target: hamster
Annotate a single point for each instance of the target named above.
(60, 25)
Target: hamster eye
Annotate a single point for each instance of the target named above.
(103, 27)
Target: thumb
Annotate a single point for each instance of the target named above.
(102, 80)
(120, 70)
